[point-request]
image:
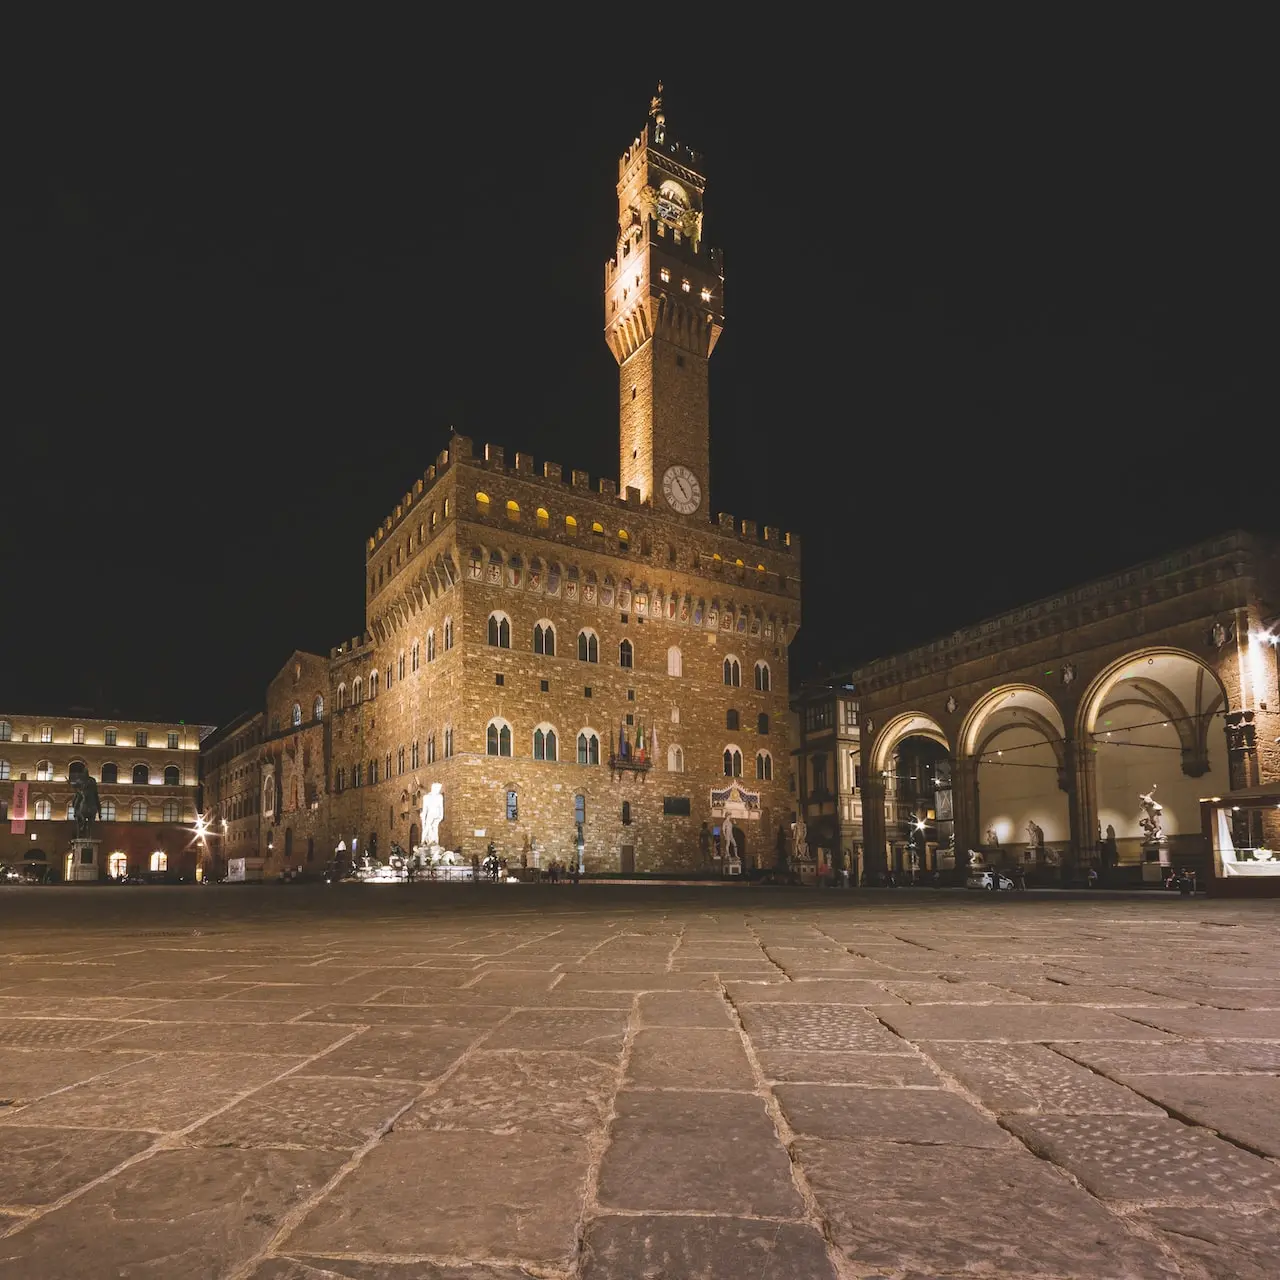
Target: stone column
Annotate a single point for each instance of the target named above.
(964, 798)
(1080, 781)
(874, 854)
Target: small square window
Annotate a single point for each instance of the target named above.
(624, 617)
(545, 686)
(499, 679)
(586, 693)
(630, 718)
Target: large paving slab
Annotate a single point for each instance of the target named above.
(452, 1084)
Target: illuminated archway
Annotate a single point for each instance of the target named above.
(1016, 738)
(912, 763)
(1152, 721)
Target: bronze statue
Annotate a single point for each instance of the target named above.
(85, 807)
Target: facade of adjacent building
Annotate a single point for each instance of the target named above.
(148, 777)
(602, 665)
(828, 772)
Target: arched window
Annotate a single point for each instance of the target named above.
(431, 645)
(482, 504)
(675, 759)
(373, 684)
(415, 656)
(448, 508)
(500, 630)
(317, 707)
(108, 811)
(448, 634)
(497, 738)
(544, 743)
(448, 741)
(399, 760)
(71, 810)
(513, 510)
(764, 766)
(170, 811)
(172, 776)
(571, 526)
(44, 811)
(626, 654)
(357, 691)
(340, 779)
(762, 723)
(44, 771)
(357, 775)
(597, 529)
(544, 638)
(588, 646)
(141, 775)
(76, 769)
(342, 697)
(624, 540)
(675, 661)
(762, 677)
(732, 671)
(373, 772)
(588, 747)
(159, 861)
(297, 714)
(732, 762)
(544, 518)
(431, 749)
(138, 811)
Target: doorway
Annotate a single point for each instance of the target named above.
(627, 860)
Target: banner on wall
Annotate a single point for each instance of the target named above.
(18, 815)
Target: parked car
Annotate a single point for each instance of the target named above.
(991, 880)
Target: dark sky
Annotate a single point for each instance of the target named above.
(1000, 317)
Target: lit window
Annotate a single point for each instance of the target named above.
(624, 539)
(588, 747)
(77, 735)
(44, 771)
(685, 285)
(597, 528)
(46, 734)
(513, 509)
(544, 518)
(108, 813)
(296, 714)
(571, 526)
(138, 811)
(482, 504)
(170, 812)
(44, 810)
(317, 707)
(665, 274)
(706, 295)
(159, 861)
(448, 507)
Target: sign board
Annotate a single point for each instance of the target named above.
(18, 810)
(235, 869)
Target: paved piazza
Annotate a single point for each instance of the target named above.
(485, 1083)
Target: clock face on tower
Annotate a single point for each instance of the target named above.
(681, 489)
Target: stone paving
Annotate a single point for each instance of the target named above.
(591, 1083)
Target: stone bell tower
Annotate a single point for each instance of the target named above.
(664, 310)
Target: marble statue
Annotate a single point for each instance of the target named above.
(992, 839)
(730, 839)
(800, 838)
(1150, 822)
(1035, 834)
(432, 815)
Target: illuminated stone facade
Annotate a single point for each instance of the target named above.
(522, 624)
(147, 774)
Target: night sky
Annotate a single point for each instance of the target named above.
(1001, 317)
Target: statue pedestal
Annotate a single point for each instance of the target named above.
(82, 861)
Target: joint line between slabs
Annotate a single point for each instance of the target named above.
(813, 1215)
(953, 1085)
(293, 1219)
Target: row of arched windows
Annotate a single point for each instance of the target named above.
(354, 695)
(110, 773)
(370, 773)
(139, 811)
